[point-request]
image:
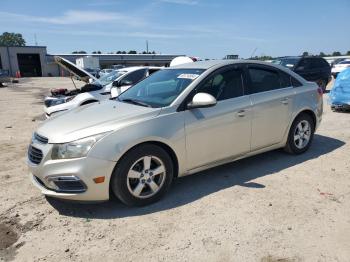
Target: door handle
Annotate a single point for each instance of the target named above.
(241, 113)
(285, 101)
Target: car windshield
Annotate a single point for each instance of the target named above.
(287, 62)
(109, 78)
(161, 88)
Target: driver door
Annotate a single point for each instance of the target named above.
(224, 130)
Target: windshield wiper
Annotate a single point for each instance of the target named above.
(135, 102)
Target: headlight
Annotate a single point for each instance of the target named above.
(75, 149)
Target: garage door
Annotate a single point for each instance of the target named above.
(29, 65)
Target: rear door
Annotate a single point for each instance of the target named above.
(272, 97)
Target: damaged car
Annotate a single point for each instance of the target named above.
(94, 90)
(339, 96)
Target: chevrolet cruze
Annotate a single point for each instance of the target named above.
(178, 121)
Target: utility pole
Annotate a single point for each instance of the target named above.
(147, 46)
(36, 43)
(251, 56)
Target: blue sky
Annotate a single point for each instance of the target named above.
(204, 28)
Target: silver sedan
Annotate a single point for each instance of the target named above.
(179, 121)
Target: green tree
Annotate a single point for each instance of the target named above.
(305, 53)
(79, 52)
(97, 52)
(348, 53)
(133, 52)
(336, 53)
(12, 39)
(322, 54)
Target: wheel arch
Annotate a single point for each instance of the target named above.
(307, 112)
(162, 145)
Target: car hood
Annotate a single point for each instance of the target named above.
(93, 119)
(80, 73)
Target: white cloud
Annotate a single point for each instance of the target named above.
(138, 34)
(181, 2)
(75, 17)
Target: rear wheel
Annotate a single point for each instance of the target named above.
(300, 134)
(143, 175)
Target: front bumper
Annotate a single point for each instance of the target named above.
(84, 169)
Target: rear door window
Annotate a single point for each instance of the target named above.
(285, 80)
(263, 79)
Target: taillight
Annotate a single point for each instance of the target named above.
(320, 91)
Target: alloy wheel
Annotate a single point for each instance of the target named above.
(146, 177)
(302, 134)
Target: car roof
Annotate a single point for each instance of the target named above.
(211, 63)
(215, 64)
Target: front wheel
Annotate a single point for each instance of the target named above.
(300, 135)
(143, 175)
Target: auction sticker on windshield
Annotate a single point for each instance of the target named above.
(188, 76)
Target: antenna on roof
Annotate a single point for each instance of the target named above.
(147, 46)
(35, 42)
(251, 56)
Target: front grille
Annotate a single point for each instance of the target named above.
(35, 155)
(41, 139)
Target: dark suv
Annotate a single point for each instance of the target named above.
(315, 69)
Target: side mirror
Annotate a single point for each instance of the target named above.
(114, 92)
(116, 84)
(202, 100)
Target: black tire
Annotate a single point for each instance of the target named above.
(291, 146)
(119, 181)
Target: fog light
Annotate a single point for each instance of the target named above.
(66, 184)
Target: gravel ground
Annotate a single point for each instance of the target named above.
(271, 207)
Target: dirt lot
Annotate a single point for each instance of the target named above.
(271, 207)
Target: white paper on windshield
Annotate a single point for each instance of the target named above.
(188, 76)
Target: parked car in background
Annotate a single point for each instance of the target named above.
(338, 60)
(95, 89)
(176, 122)
(315, 69)
(93, 71)
(339, 96)
(339, 67)
(105, 71)
(117, 66)
(4, 76)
